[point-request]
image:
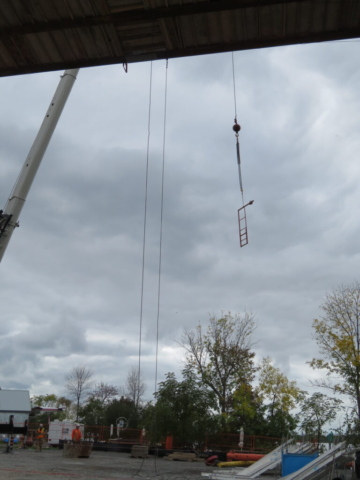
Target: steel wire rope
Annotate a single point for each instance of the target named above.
(160, 250)
(167, 476)
(144, 231)
(144, 243)
(237, 132)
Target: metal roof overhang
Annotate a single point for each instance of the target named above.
(44, 35)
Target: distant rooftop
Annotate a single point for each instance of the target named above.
(44, 35)
(15, 401)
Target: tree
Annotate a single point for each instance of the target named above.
(78, 383)
(247, 411)
(276, 389)
(338, 337)
(104, 393)
(184, 409)
(135, 386)
(93, 412)
(51, 400)
(220, 356)
(122, 407)
(316, 411)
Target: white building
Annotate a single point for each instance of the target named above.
(15, 408)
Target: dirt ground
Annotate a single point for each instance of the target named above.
(50, 464)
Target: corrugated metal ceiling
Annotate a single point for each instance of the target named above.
(42, 35)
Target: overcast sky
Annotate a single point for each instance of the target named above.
(71, 277)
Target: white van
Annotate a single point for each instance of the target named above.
(61, 430)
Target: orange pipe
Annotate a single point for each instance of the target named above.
(236, 456)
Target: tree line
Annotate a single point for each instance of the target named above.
(222, 388)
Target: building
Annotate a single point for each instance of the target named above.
(15, 408)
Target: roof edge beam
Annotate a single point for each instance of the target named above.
(135, 16)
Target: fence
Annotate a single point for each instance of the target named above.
(98, 433)
(216, 442)
(230, 441)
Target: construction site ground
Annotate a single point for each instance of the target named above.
(50, 464)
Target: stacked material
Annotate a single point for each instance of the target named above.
(273, 459)
(268, 462)
(140, 451)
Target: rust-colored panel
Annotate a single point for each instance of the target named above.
(64, 48)
(76, 44)
(8, 15)
(38, 45)
(87, 8)
(76, 9)
(47, 8)
(251, 21)
(51, 47)
(86, 39)
(79, 33)
(143, 43)
(12, 46)
(305, 18)
(6, 60)
(25, 11)
(100, 42)
(291, 19)
(319, 12)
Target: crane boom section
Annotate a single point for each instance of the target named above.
(10, 215)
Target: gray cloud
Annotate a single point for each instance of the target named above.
(71, 278)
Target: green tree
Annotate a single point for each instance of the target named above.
(184, 409)
(220, 356)
(337, 334)
(247, 411)
(93, 412)
(279, 424)
(122, 407)
(279, 393)
(316, 412)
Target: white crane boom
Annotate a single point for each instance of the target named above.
(10, 215)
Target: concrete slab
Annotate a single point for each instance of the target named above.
(50, 464)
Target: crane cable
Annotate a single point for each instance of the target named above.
(160, 251)
(144, 228)
(160, 241)
(237, 129)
